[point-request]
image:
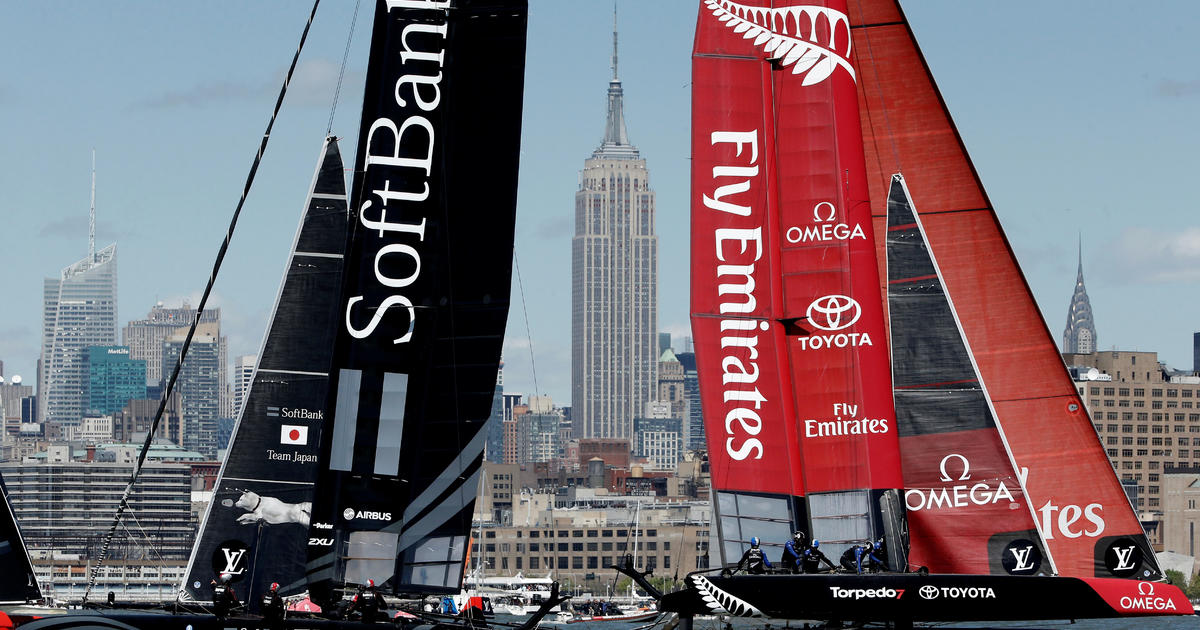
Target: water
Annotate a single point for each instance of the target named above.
(1130, 623)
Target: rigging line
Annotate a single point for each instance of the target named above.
(187, 342)
(145, 535)
(525, 312)
(342, 73)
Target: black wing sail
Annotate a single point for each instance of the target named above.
(423, 311)
(17, 580)
(263, 496)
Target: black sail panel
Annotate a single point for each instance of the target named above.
(17, 580)
(256, 527)
(424, 306)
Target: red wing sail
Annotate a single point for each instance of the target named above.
(1086, 518)
(967, 511)
(790, 332)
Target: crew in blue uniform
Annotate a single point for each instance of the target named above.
(754, 560)
(813, 557)
(792, 553)
(864, 558)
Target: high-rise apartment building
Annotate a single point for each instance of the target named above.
(1080, 334)
(243, 376)
(79, 309)
(12, 394)
(693, 426)
(199, 385)
(145, 336)
(113, 379)
(614, 283)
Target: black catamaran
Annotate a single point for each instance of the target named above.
(357, 454)
(855, 349)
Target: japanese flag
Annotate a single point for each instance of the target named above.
(293, 434)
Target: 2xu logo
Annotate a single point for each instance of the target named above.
(230, 557)
(1123, 557)
(1021, 557)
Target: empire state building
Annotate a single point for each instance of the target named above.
(614, 283)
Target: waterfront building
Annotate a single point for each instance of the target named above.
(579, 544)
(1147, 417)
(113, 379)
(199, 384)
(67, 506)
(1080, 334)
(659, 439)
(614, 283)
(79, 309)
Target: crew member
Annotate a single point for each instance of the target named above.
(224, 599)
(813, 557)
(365, 602)
(272, 604)
(792, 553)
(754, 560)
(862, 558)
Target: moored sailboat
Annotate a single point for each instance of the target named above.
(992, 483)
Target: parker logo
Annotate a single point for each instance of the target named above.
(1021, 557)
(813, 40)
(956, 467)
(1123, 557)
(350, 514)
(834, 312)
(1147, 600)
(866, 593)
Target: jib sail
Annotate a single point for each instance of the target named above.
(257, 525)
(425, 300)
(1088, 524)
(791, 346)
(967, 511)
(17, 580)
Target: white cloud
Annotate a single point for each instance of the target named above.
(1147, 255)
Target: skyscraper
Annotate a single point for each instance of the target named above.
(199, 385)
(145, 336)
(79, 309)
(243, 376)
(1080, 334)
(614, 283)
(113, 379)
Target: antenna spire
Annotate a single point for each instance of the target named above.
(614, 57)
(92, 222)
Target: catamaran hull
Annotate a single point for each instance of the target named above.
(159, 620)
(913, 597)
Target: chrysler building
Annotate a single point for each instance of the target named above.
(1080, 334)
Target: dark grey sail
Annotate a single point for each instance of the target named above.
(950, 443)
(17, 580)
(257, 524)
(423, 310)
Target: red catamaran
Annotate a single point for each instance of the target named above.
(855, 305)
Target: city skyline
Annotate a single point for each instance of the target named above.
(1068, 134)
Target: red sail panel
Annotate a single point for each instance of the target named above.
(837, 346)
(752, 448)
(1083, 513)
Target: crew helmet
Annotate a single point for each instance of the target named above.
(754, 541)
(816, 543)
(274, 586)
(370, 583)
(798, 536)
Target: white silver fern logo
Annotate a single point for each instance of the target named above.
(721, 602)
(791, 35)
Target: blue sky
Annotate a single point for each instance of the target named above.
(1080, 117)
